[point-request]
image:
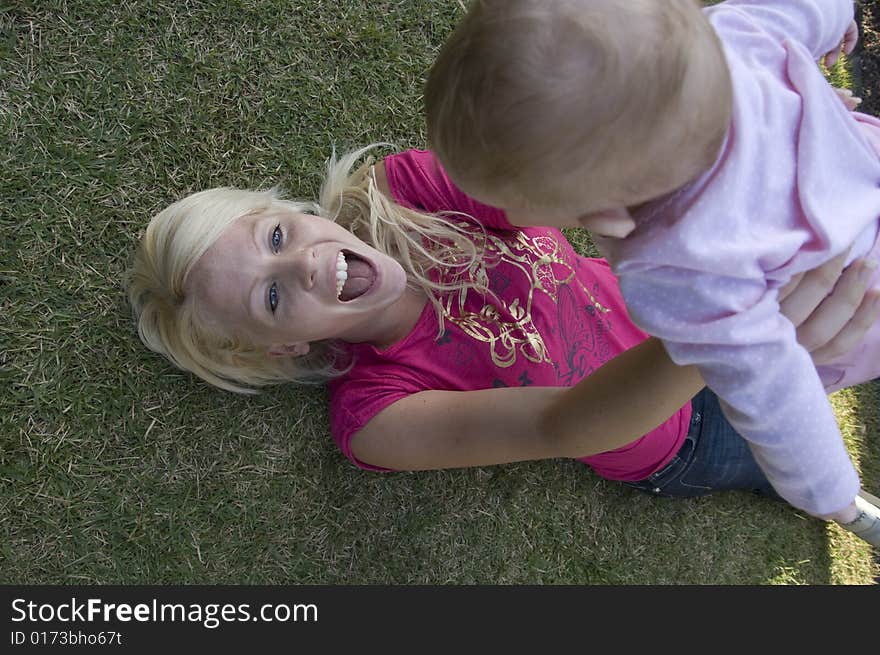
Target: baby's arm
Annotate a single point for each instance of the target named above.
(820, 25)
(747, 352)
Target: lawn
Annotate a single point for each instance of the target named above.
(117, 468)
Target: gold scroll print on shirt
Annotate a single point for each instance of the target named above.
(534, 258)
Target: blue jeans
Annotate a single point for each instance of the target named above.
(713, 457)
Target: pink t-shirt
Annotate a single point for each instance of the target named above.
(557, 318)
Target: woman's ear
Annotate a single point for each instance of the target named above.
(289, 350)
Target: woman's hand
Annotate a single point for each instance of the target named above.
(847, 45)
(846, 96)
(831, 308)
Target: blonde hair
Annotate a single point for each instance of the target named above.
(179, 235)
(522, 83)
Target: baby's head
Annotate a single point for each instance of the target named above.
(559, 109)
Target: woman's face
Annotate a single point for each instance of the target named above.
(283, 279)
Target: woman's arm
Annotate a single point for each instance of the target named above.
(496, 426)
(607, 410)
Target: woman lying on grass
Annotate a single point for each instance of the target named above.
(448, 338)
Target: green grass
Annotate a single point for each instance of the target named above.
(116, 468)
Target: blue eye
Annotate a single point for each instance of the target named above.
(273, 297)
(277, 237)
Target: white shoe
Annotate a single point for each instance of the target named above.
(867, 524)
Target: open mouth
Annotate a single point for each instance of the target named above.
(354, 276)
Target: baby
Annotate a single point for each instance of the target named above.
(666, 129)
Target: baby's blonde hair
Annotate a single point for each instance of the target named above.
(175, 239)
(529, 96)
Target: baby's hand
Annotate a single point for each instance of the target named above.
(849, 43)
(846, 96)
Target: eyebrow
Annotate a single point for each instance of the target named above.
(249, 298)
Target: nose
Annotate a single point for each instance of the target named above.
(302, 266)
(616, 223)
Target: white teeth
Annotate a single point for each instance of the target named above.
(341, 274)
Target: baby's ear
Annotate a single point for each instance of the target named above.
(289, 350)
